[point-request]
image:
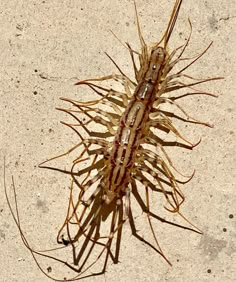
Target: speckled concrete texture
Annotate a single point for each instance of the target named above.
(44, 47)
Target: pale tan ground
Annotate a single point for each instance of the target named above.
(43, 46)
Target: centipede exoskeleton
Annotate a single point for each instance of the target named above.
(127, 157)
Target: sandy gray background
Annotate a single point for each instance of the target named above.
(43, 46)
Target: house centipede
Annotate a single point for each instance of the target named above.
(115, 161)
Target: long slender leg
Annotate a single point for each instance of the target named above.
(163, 121)
(133, 227)
(116, 225)
(133, 61)
(156, 160)
(150, 224)
(142, 205)
(175, 199)
(154, 140)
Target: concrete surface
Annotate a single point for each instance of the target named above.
(43, 46)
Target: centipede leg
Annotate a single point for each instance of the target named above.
(111, 93)
(150, 224)
(133, 61)
(159, 164)
(155, 141)
(160, 146)
(174, 197)
(116, 225)
(146, 211)
(61, 155)
(91, 119)
(165, 122)
(184, 112)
